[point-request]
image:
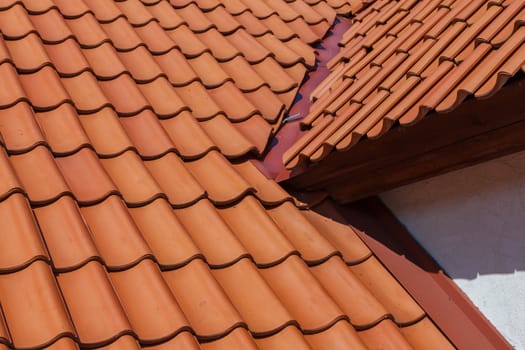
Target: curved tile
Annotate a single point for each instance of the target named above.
(387, 291)
(202, 300)
(271, 108)
(93, 305)
(33, 307)
(182, 341)
(86, 177)
(88, 96)
(64, 133)
(252, 25)
(124, 342)
(278, 27)
(87, 30)
(274, 75)
(39, 175)
(132, 178)
(21, 241)
(162, 98)
(10, 87)
(116, 236)
(209, 71)
(243, 74)
(36, 6)
(225, 135)
(67, 57)
(232, 101)
(235, 7)
(187, 41)
(239, 338)
(10, 183)
(340, 236)
(104, 61)
(66, 235)
(249, 46)
(425, 335)
(285, 11)
(220, 180)
(288, 338)
(15, 23)
(350, 294)
(44, 89)
(155, 38)
(108, 137)
(257, 232)
(220, 47)
(313, 247)
(211, 234)
(340, 336)
(122, 34)
(259, 9)
(19, 118)
(507, 70)
(295, 286)
(257, 131)
(222, 20)
(199, 101)
(248, 298)
(266, 190)
(27, 53)
(385, 335)
(65, 343)
(164, 234)
(124, 95)
(51, 26)
(167, 16)
(176, 68)
(149, 304)
(142, 129)
(175, 180)
(187, 135)
(71, 8)
(141, 64)
(105, 11)
(196, 20)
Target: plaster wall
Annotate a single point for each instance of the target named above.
(472, 221)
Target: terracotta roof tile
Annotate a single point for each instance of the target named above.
(455, 48)
(289, 338)
(15, 118)
(132, 202)
(63, 219)
(340, 336)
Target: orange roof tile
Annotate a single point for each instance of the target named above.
(401, 60)
(132, 216)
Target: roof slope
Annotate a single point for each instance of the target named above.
(129, 215)
(401, 60)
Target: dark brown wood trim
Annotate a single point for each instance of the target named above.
(420, 275)
(477, 131)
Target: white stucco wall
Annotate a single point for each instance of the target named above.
(472, 221)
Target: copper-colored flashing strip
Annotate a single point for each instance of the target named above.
(291, 131)
(420, 275)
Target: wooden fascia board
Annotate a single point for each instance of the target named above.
(477, 131)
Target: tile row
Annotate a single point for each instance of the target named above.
(96, 305)
(402, 60)
(90, 180)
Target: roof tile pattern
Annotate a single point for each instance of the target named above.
(130, 217)
(401, 60)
